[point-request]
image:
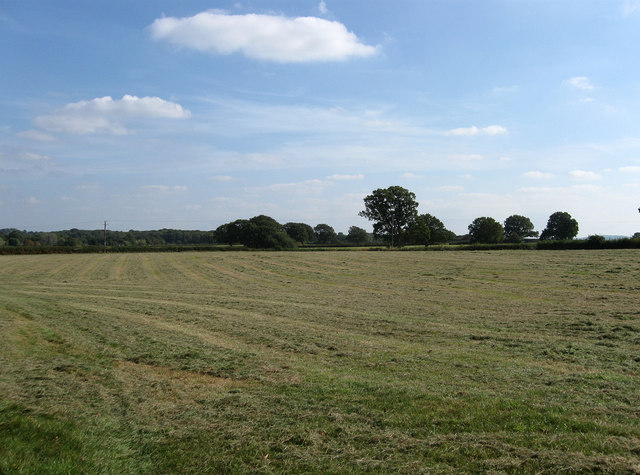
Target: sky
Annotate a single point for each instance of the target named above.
(190, 114)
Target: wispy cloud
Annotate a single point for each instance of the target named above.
(106, 115)
(473, 130)
(580, 82)
(222, 178)
(630, 169)
(264, 37)
(164, 188)
(450, 188)
(36, 135)
(630, 7)
(345, 177)
(302, 187)
(582, 175)
(466, 157)
(536, 175)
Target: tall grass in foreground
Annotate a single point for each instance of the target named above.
(332, 362)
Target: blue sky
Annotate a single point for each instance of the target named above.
(190, 114)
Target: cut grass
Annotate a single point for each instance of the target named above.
(331, 362)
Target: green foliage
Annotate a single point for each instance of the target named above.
(392, 210)
(427, 229)
(357, 235)
(418, 232)
(300, 232)
(517, 227)
(486, 230)
(561, 226)
(259, 232)
(325, 234)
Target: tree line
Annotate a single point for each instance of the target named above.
(393, 210)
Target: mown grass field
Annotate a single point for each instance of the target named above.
(321, 362)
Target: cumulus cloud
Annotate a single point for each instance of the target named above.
(536, 175)
(580, 82)
(264, 37)
(107, 115)
(583, 175)
(473, 130)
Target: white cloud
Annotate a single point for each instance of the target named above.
(494, 130)
(222, 178)
(164, 188)
(35, 135)
(106, 115)
(322, 8)
(264, 37)
(411, 176)
(631, 169)
(536, 175)
(307, 186)
(583, 175)
(345, 177)
(473, 130)
(580, 82)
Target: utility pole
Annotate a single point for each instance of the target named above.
(105, 237)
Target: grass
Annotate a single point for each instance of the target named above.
(325, 362)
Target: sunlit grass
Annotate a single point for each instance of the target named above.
(320, 362)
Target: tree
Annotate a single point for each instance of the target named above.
(300, 232)
(561, 226)
(392, 210)
(438, 233)
(258, 232)
(418, 232)
(357, 235)
(325, 234)
(517, 227)
(15, 238)
(486, 230)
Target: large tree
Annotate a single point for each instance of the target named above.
(392, 210)
(486, 230)
(258, 232)
(437, 232)
(300, 232)
(325, 234)
(517, 227)
(561, 226)
(357, 235)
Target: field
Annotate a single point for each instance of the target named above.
(321, 362)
